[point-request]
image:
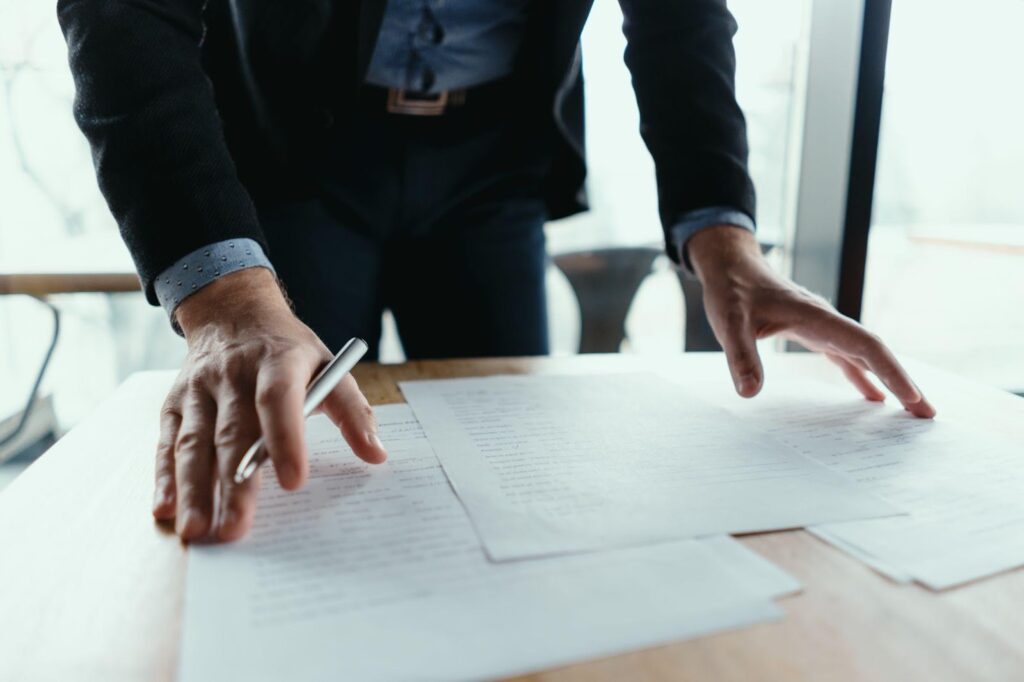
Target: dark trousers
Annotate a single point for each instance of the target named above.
(439, 219)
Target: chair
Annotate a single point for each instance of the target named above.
(605, 282)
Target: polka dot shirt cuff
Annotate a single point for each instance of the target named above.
(202, 266)
(693, 222)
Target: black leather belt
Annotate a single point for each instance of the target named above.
(408, 103)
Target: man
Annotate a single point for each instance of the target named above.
(401, 154)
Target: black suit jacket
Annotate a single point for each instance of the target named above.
(194, 108)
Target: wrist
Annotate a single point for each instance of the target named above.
(234, 300)
(721, 249)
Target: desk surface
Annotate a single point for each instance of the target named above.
(92, 589)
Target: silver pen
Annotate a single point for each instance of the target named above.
(321, 386)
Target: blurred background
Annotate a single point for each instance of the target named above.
(944, 279)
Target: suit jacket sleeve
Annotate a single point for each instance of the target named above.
(683, 65)
(147, 107)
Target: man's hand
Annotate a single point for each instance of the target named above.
(746, 300)
(249, 362)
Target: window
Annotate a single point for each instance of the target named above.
(771, 53)
(945, 268)
(51, 213)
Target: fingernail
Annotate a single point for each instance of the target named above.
(374, 440)
(926, 409)
(188, 523)
(746, 384)
(160, 498)
(287, 471)
(162, 492)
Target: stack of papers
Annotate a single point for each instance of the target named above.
(962, 487)
(522, 523)
(556, 464)
(376, 573)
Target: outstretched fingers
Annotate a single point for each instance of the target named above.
(864, 349)
(194, 465)
(164, 488)
(280, 391)
(237, 428)
(349, 410)
(858, 378)
(736, 335)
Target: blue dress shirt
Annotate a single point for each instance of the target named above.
(702, 218)
(204, 265)
(432, 45)
(425, 46)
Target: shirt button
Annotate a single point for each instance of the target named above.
(427, 80)
(431, 33)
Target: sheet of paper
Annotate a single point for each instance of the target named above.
(756, 572)
(557, 464)
(888, 570)
(375, 573)
(961, 485)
